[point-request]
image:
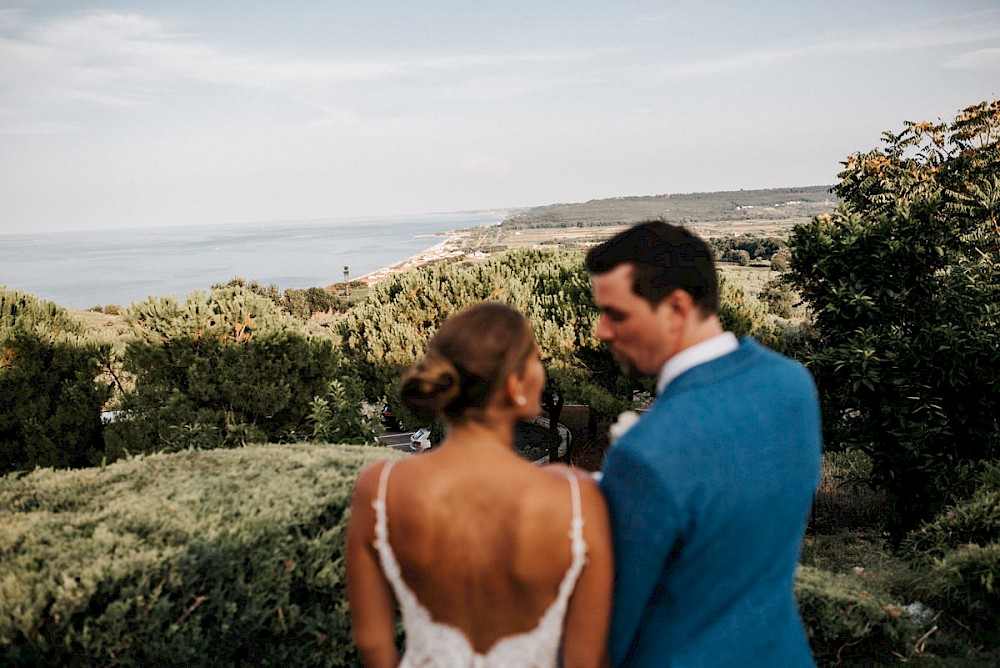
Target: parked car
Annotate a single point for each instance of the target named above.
(420, 440)
(389, 420)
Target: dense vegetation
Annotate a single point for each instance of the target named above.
(228, 368)
(50, 393)
(390, 330)
(904, 284)
(217, 558)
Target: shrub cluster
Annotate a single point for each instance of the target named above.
(301, 304)
(228, 368)
(225, 557)
(50, 398)
(843, 619)
(959, 552)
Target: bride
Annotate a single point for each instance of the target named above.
(492, 560)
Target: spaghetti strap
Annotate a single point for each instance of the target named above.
(383, 481)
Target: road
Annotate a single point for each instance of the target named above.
(400, 440)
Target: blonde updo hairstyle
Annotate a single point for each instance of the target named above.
(467, 360)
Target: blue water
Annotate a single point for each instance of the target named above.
(83, 269)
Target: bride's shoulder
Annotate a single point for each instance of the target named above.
(590, 492)
(563, 471)
(366, 485)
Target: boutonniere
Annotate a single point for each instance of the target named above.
(622, 424)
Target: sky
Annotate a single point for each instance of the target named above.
(133, 114)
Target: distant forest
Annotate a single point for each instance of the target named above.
(735, 206)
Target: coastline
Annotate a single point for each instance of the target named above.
(450, 247)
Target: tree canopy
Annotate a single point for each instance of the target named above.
(903, 282)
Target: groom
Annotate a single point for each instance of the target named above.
(710, 491)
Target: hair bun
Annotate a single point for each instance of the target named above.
(430, 385)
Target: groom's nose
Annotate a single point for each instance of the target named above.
(604, 330)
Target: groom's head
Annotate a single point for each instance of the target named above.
(655, 285)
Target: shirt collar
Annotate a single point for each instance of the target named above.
(699, 353)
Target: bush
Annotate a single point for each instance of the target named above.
(974, 521)
(228, 557)
(225, 369)
(50, 398)
(966, 583)
(843, 619)
(959, 553)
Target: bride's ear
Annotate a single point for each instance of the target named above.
(514, 390)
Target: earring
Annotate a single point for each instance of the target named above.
(522, 400)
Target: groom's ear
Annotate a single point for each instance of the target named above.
(679, 302)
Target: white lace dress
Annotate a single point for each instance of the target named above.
(431, 643)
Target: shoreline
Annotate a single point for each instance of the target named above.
(450, 247)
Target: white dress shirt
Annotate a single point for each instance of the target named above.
(699, 353)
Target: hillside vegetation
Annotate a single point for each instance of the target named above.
(768, 206)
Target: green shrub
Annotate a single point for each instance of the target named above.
(974, 521)
(843, 618)
(904, 287)
(966, 582)
(226, 557)
(222, 370)
(50, 398)
(959, 554)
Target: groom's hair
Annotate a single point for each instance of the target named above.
(664, 258)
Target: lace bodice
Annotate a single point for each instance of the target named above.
(431, 643)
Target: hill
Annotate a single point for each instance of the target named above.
(761, 210)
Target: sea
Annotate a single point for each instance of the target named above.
(83, 269)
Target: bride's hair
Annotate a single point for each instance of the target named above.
(470, 356)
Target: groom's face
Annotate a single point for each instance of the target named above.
(640, 335)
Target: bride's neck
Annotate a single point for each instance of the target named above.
(490, 431)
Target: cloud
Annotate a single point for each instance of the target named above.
(968, 29)
(126, 60)
(982, 60)
(120, 55)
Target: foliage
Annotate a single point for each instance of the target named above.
(975, 520)
(50, 397)
(960, 552)
(738, 256)
(966, 582)
(329, 415)
(222, 370)
(390, 330)
(755, 247)
(218, 558)
(235, 557)
(301, 304)
(904, 286)
(843, 618)
(779, 297)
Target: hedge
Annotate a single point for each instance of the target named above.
(50, 392)
(225, 369)
(845, 617)
(958, 553)
(223, 557)
(235, 557)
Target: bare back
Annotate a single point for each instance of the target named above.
(482, 542)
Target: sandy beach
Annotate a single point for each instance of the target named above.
(450, 247)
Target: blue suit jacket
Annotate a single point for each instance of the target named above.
(709, 494)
